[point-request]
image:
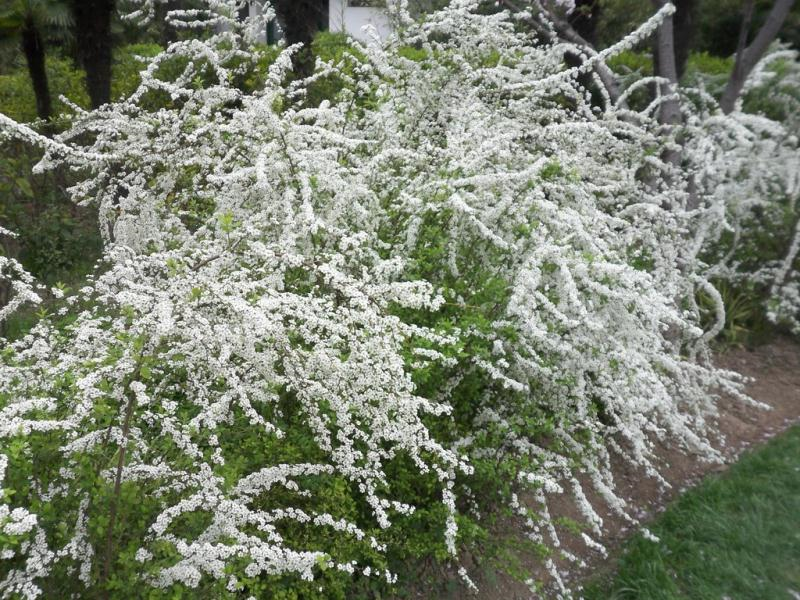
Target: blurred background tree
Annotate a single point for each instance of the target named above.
(93, 43)
(30, 24)
(715, 24)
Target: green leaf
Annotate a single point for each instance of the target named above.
(25, 186)
(322, 562)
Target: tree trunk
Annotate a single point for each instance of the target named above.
(168, 33)
(683, 32)
(33, 48)
(584, 19)
(93, 36)
(670, 110)
(300, 20)
(748, 57)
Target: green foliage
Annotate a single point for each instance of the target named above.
(745, 317)
(49, 18)
(639, 62)
(707, 71)
(703, 62)
(17, 99)
(138, 507)
(633, 65)
(766, 234)
(472, 305)
(255, 78)
(735, 536)
(411, 53)
(332, 47)
(126, 67)
(779, 99)
(716, 23)
(56, 240)
(619, 17)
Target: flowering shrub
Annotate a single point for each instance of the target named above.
(745, 166)
(326, 339)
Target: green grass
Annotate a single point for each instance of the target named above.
(735, 536)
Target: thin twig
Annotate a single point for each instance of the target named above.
(113, 507)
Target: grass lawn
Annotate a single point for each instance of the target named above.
(736, 537)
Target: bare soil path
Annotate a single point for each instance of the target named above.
(775, 372)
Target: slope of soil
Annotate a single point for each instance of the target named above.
(775, 372)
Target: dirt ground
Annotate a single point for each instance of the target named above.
(775, 372)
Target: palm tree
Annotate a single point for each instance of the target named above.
(29, 21)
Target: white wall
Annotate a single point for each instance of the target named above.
(351, 19)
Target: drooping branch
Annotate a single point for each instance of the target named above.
(607, 77)
(568, 33)
(63, 151)
(747, 57)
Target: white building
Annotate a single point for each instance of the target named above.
(351, 16)
(348, 16)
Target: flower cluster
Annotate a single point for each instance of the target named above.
(746, 168)
(314, 321)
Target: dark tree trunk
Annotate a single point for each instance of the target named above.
(584, 19)
(33, 48)
(93, 37)
(683, 25)
(300, 20)
(168, 33)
